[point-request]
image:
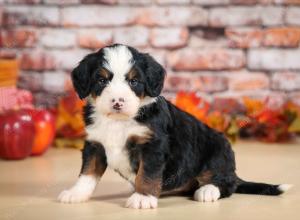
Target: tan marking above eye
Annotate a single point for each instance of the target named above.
(131, 74)
(104, 73)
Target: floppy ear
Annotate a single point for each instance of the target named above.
(155, 75)
(83, 73)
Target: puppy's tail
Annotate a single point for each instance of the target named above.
(246, 187)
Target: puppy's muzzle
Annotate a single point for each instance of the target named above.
(118, 103)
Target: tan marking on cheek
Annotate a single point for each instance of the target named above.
(145, 185)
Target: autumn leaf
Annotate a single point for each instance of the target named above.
(295, 126)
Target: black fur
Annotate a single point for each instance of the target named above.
(258, 188)
(83, 76)
(93, 153)
(88, 110)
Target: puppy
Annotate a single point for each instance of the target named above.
(146, 139)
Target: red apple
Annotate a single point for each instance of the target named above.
(16, 134)
(44, 122)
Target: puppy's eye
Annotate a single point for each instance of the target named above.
(133, 82)
(103, 81)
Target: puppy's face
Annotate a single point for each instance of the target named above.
(119, 79)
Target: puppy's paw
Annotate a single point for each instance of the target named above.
(207, 193)
(73, 196)
(80, 192)
(140, 201)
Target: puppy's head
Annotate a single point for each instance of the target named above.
(119, 79)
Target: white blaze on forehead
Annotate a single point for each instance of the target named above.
(118, 60)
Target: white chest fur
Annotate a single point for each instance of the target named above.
(113, 135)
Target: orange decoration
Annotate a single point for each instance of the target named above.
(69, 121)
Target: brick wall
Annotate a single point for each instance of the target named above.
(221, 48)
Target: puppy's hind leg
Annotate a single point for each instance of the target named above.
(214, 186)
(93, 167)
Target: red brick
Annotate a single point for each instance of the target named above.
(282, 37)
(203, 82)
(248, 81)
(273, 59)
(251, 2)
(211, 2)
(244, 2)
(196, 41)
(272, 15)
(18, 38)
(209, 82)
(94, 38)
(98, 16)
(135, 2)
(23, 1)
(37, 60)
(108, 2)
(242, 15)
(244, 37)
(58, 38)
(54, 82)
(6, 53)
(61, 2)
(178, 82)
(68, 59)
(279, 37)
(169, 37)
(287, 81)
(134, 36)
(234, 16)
(31, 81)
(172, 16)
(213, 59)
(287, 2)
(31, 15)
(293, 16)
(173, 2)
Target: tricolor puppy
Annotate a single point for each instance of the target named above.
(146, 139)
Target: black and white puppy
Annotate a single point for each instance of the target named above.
(146, 139)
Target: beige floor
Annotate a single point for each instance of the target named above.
(28, 189)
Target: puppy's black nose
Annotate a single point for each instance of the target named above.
(118, 103)
(117, 106)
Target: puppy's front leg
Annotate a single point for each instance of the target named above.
(148, 184)
(93, 166)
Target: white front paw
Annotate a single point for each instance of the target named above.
(207, 193)
(140, 201)
(73, 196)
(80, 192)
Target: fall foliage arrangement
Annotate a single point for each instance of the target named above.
(252, 118)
